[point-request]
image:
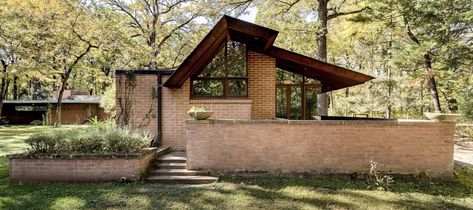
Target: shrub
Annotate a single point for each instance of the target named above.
(97, 138)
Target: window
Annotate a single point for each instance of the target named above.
(225, 77)
(296, 95)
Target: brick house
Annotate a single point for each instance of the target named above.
(264, 102)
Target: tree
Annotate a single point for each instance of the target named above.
(71, 34)
(12, 36)
(434, 28)
(156, 23)
(323, 14)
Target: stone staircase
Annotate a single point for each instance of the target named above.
(171, 169)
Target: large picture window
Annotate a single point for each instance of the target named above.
(225, 76)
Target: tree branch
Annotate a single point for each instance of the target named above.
(409, 32)
(174, 30)
(338, 14)
(124, 9)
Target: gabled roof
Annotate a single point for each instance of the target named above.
(261, 39)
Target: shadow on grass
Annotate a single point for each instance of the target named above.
(460, 187)
(236, 193)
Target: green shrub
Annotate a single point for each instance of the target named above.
(97, 138)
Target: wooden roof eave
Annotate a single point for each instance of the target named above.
(318, 65)
(209, 47)
(261, 39)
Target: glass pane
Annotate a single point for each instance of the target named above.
(286, 77)
(311, 102)
(281, 102)
(237, 88)
(236, 52)
(296, 104)
(311, 81)
(207, 87)
(216, 67)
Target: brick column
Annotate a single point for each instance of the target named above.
(261, 85)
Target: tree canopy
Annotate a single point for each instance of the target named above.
(420, 51)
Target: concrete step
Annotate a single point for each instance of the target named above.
(182, 179)
(171, 165)
(173, 157)
(163, 150)
(175, 172)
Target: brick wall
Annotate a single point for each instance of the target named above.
(80, 169)
(176, 103)
(136, 101)
(322, 147)
(261, 85)
(77, 113)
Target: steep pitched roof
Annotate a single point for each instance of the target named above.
(261, 39)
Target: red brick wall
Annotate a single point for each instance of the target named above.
(79, 170)
(261, 85)
(136, 101)
(323, 147)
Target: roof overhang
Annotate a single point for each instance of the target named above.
(261, 39)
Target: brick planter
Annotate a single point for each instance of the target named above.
(81, 167)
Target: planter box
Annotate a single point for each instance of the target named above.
(81, 167)
(200, 115)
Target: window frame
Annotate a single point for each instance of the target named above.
(226, 79)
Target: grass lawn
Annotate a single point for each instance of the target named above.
(232, 192)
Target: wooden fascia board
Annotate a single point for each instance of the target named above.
(319, 65)
(204, 48)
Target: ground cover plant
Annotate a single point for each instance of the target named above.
(93, 139)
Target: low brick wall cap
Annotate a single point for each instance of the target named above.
(27, 155)
(317, 122)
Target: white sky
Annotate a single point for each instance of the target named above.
(251, 16)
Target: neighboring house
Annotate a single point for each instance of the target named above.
(76, 109)
(264, 100)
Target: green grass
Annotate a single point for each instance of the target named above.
(236, 192)
(12, 138)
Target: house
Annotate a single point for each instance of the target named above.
(77, 108)
(264, 102)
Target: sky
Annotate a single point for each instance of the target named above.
(251, 16)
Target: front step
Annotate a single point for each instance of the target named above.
(171, 169)
(175, 172)
(182, 179)
(172, 165)
(173, 157)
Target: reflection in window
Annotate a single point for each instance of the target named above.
(207, 87)
(225, 76)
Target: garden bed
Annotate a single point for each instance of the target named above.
(80, 167)
(97, 152)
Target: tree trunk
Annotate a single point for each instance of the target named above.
(15, 88)
(3, 85)
(389, 95)
(65, 78)
(432, 83)
(59, 104)
(323, 98)
(152, 40)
